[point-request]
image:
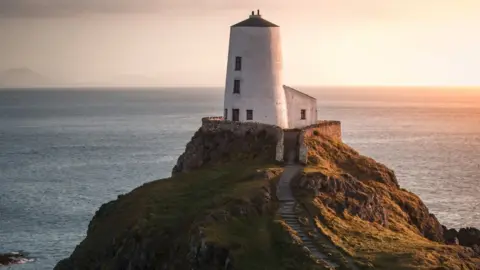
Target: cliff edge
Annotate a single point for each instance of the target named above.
(219, 211)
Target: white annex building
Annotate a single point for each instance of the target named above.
(254, 89)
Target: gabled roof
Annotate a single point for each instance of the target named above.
(255, 21)
(288, 88)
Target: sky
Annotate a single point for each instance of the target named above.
(185, 42)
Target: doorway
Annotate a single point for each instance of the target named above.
(290, 146)
(235, 115)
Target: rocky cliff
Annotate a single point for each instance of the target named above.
(218, 142)
(358, 204)
(8, 259)
(219, 209)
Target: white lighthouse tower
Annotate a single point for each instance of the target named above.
(254, 86)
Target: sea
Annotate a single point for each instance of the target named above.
(65, 152)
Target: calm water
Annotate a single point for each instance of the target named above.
(64, 153)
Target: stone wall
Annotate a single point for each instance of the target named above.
(220, 141)
(328, 128)
(332, 129)
(280, 148)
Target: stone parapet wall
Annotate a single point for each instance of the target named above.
(206, 120)
(325, 127)
(331, 129)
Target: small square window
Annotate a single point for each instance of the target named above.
(236, 87)
(225, 114)
(238, 63)
(303, 114)
(249, 114)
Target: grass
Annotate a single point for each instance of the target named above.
(166, 210)
(377, 247)
(396, 245)
(231, 208)
(228, 203)
(323, 244)
(260, 243)
(332, 157)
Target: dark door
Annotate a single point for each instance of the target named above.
(235, 115)
(291, 147)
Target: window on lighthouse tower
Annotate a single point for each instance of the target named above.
(236, 87)
(238, 63)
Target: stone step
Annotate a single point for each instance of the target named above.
(292, 222)
(310, 246)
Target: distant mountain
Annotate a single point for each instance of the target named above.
(22, 77)
(123, 80)
(132, 80)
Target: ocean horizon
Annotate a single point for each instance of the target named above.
(66, 151)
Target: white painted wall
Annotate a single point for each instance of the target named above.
(261, 75)
(296, 101)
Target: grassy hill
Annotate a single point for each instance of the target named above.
(224, 216)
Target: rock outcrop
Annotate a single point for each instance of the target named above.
(345, 193)
(218, 142)
(182, 222)
(350, 190)
(218, 211)
(469, 237)
(7, 259)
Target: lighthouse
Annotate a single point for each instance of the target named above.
(254, 88)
